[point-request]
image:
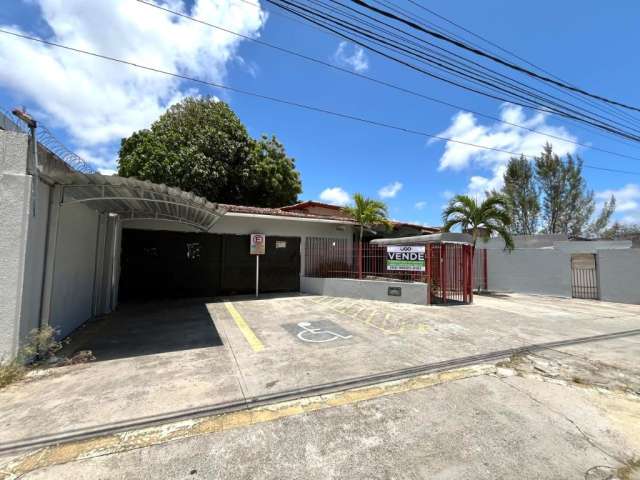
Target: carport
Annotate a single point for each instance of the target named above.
(76, 242)
(85, 219)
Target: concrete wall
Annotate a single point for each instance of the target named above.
(415, 293)
(75, 264)
(542, 271)
(35, 263)
(619, 275)
(15, 213)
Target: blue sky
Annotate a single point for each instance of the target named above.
(90, 104)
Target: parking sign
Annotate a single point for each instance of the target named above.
(258, 241)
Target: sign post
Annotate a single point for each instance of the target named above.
(257, 248)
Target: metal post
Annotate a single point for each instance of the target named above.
(257, 273)
(443, 271)
(34, 172)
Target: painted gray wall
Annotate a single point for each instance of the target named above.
(542, 271)
(75, 263)
(34, 263)
(15, 198)
(414, 293)
(619, 275)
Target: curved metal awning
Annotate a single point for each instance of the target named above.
(444, 237)
(135, 199)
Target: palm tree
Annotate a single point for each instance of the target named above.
(480, 220)
(367, 212)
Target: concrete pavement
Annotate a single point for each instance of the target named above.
(152, 362)
(482, 427)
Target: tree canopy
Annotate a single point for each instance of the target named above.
(368, 212)
(521, 192)
(200, 145)
(550, 195)
(481, 220)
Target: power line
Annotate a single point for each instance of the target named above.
(288, 102)
(378, 81)
(291, 7)
(606, 107)
(475, 66)
(482, 53)
(593, 130)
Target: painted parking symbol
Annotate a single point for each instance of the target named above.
(317, 335)
(320, 331)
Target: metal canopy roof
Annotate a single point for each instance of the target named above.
(134, 199)
(444, 237)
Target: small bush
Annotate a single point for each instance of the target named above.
(40, 346)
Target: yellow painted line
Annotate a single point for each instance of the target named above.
(250, 337)
(121, 442)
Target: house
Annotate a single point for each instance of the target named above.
(399, 229)
(76, 243)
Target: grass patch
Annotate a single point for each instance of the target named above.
(11, 372)
(631, 471)
(39, 346)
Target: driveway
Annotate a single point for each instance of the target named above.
(167, 360)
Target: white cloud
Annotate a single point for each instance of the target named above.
(98, 101)
(335, 196)
(351, 56)
(420, 205)
(391, 190)
(466, 128)
(447, 194)
(627, 201)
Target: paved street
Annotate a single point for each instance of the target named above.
(552, 413)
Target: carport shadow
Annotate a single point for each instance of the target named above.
(146, 328)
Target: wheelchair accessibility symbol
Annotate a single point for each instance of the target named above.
(318, 332)
(318, 335)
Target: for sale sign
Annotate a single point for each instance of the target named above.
(405, 258)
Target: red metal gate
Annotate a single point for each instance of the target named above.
(450, 273)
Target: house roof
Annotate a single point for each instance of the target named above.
(279, 212)
(299, 207)
(310, 203)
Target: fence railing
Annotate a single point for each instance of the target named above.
(447, 267)
(341, 258)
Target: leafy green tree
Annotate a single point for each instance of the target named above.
(481, 220)
(200, 145)
(368, 212)
(567, 204)
(521, 192)
(600, 224)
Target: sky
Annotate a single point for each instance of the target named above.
(91, 104)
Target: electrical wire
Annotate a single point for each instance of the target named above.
(612, 109)
(291, 7)
(378, 81)
(288, 102)
(482, 53)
